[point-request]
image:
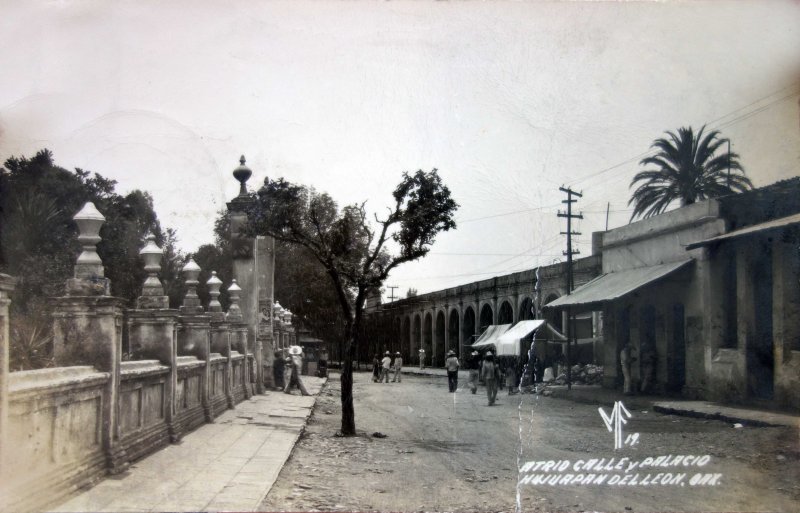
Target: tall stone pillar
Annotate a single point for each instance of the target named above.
(87, 327)
(265, 269)
(253, 268)
(194, 333)
(152, 328)
(6, 287)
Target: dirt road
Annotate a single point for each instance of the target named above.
(452, 452)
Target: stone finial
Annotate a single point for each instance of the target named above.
(277, 312)
(242, 173)
(89, 278)
(214, 284)
(151, 254)
(234, 311)
(287, 316)
(191, 303)
(89, 221)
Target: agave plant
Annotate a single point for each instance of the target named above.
(31, 343)
(686, 168)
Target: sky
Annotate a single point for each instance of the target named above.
(508, 100)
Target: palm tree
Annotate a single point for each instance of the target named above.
(686, 169)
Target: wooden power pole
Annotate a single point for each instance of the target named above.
(570, 283)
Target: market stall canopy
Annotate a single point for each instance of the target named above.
(489, 337)
(611, 286)
(508, 344)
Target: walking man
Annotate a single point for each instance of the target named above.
(398, 365)
(452, 365)
(385, 363)
(295, 364)
(490, 373)
(473, 364)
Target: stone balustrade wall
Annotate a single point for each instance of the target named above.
(57, 437)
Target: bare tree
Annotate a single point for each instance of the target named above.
(354, 250)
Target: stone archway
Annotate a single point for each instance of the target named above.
(427, 337)
(506, 313)
(439, 341)
(405, 338)
(416, 337)
(526, 309)
(453, 330)
(468, 326)
(487, 318)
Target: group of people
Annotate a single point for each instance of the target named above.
(286, 370)
(381, 368)
(486, 370)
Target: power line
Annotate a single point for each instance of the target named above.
(722, 125)
(505, 214)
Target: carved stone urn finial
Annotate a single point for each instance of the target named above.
(191, 303)
(151, 254)
(234, 311)
(242, 173)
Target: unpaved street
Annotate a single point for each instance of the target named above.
(452, 452)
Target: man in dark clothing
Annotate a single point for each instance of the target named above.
(452, 366)
(277, 369)
(491, 375)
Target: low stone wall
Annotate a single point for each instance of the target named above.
(55, 435)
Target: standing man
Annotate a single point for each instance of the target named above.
(278, 365)
(490, 373)
(376, 369)
(385, 364)
(295, 364)
(473, 364)
(398, 365)
(452, 365)
(421, 359)
(625, 360)
(511, 376)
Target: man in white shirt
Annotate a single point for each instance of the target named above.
(386, 363)
(452, 365)
(398, 365)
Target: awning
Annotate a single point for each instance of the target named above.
(509, 342)
(775, 224)
(489, 337)
(611, 286)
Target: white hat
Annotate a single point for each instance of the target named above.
(387, 353)
(295, 350)
(398, 353)
(474, 353)
(489, 353)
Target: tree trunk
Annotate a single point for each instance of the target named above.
(348, 411)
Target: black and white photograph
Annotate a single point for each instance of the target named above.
(399, 255)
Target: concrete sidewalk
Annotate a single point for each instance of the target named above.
(229, 465)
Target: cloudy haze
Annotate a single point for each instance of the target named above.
(509, 100)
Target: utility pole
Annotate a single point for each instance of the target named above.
(391, 298)
(570, 283)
